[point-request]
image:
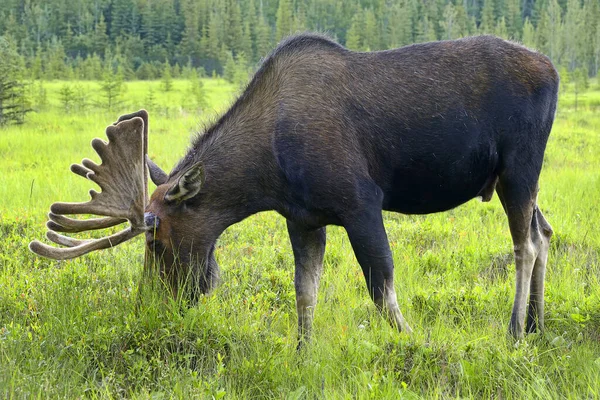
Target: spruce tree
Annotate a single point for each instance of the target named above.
(528, 34)
(263, 38)
(284, 25)
(166, 82)
(14, 103)
(234, 27)
(112, 88)
(487, 24)
(353, 36)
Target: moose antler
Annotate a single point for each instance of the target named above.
(122, 176)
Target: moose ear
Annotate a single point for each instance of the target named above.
(188, 185)
(157, 175)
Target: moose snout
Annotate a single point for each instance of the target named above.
(151, 220)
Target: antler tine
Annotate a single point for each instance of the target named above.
(122, 176)
(76, 248)
(60, 223)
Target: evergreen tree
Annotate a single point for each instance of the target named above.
(596, 53)
(514, 21)
(462, 21)
(263, 38)
(234, 27)
(449, 25)
(354, 39)
(284, 24)
(146, 71)
(554, 35)
(574, 31)
(501, 29)
(242, 71)
(150, 100)
(580, 82)
(100, 40)
(197, 93)
(591, 11)
(55, 63)
(190, 45)
(80, 98)
(528, 34)
(37, 69)
(300, 18)
(487, 17)
(428, 29)
(112, 89)
(122, 22)
(251, 20)
(14, 103)
(246, 42)
(371, 38)
(66, 95)
(229, 69)
(166, 78)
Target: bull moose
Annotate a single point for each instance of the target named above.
(324, 135)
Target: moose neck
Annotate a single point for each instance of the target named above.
(240, 170)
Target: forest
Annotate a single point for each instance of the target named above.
(65, 39)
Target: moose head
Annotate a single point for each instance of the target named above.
(163, 218)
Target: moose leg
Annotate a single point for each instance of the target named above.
(369, 241)
(519, 202)
(535, 312)
(309, 248)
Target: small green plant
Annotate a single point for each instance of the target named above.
(166, 82)
(67, 97)
(112, 89)
(197, 93)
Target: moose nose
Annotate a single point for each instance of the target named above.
(151, 220)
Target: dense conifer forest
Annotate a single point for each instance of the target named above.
(79, 39)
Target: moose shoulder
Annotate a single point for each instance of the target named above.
(324, 135)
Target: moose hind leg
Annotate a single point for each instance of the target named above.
(518, 201)
(308, 246)
(542, 232)
(371, 247)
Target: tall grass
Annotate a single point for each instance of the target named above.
(70, 329)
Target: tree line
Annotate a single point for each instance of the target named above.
(67, 39)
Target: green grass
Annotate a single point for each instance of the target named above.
(70, 329)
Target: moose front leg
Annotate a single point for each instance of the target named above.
(369, 241)
(309, 248)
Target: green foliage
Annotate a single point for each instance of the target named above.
(284, 26)
(112, 88)
(67, 95)
(166, 78)
(14, 103)
(236, 69)
(56, 41)
(197, 93)
(580, 83)
(40, 95)
(150, 100)
(147, 71)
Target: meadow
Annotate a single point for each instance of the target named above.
(70, 329)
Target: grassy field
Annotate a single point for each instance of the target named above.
(70, 329)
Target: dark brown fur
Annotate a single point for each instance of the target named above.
(324, 135)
